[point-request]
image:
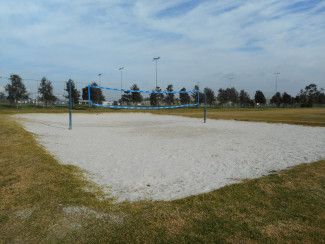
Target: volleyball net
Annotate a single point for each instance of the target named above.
(136, 99)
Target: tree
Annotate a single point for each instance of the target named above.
(222, 96)
(156, 97)
(16, 89)
(75, 94)
(45, 91)
(276, 99)
(227, 95)
(244, 99)
(310, 95)
(184, 97)
(96, 94)
(259, 97)
(210, 97)
(197, 94)
(2, 96)
(287, 99)
(170, 97)
(136, 97)
(125, 98)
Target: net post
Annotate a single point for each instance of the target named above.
(70, 106)
(205, 108)
(198, 97)
(89, 100)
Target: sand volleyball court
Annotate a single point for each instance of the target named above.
(144, 156)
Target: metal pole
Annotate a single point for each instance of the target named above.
(89, 97)
(205, 108)
(70, 106)
(156, 72)
(121, 69)
(100, 79)
(156, 60)
(276, 81)
(121, 80)
(198, 96)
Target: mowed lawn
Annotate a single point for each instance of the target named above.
(300, 116)
(44, 201)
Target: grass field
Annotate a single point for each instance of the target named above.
(301, 116)
(42, 200)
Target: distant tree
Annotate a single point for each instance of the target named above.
(287, 99)
(228, 95)
(170, 97)
(210, 97)
(75, 94)
(16, 89)
(156, 97)
(84, 93)
(233, 95)
(45, 91)
(222, 96)
(259, 97)
(184, 97)
(96, 94)
(126, 98)
(322, 97)
(2, 96)
(244, 99)
(276, 99)
(197, 94)
(310, 95)
(136, 97)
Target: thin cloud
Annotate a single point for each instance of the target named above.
(251, 39)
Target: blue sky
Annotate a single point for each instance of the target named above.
(215, 43)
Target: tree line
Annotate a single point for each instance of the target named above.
(307, 97)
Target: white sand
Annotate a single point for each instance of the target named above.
(145, 156)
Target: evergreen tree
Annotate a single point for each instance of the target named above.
(197, 94)
(259, 97)
(286, 98)
(45, 91)
(170, 97)
(16, 89)
(75, 94)
(228, 95)
(136, 97)
(244, 99)
(276, 99)
(156, 97)
(2, 96)
(126, 98)
(210, 97)
(184, 97)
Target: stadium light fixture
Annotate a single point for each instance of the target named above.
(99, 79)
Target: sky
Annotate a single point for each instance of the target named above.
(213, 43)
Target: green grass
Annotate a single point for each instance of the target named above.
(287, 206)
(301, 116)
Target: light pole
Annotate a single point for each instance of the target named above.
(276, 81)
(121, 69)
(156, 60)
(99, 79)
